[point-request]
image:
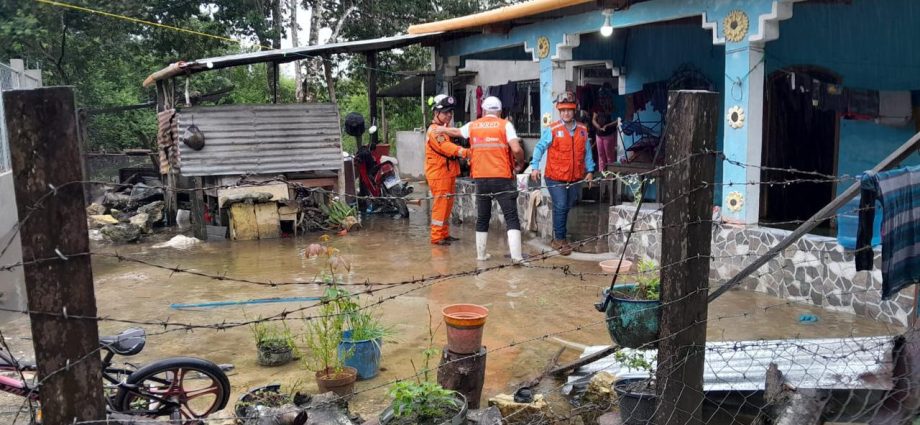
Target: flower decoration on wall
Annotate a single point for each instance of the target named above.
(735, 201)
(735, 116)
(735, 26)
(547, 119)
(542, 47)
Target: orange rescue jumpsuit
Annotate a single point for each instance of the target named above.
(441, 171)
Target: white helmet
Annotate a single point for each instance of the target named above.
(492, 104)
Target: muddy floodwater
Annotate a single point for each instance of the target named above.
(524, 303)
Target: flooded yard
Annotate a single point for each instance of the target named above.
(525, 304)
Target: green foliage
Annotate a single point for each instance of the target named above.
(649, 280)
(324, 333)
(635, 360)
(340, 215)
(106, 58)
(272, 337)
(425, 401)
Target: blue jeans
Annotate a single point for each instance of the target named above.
(563, 199)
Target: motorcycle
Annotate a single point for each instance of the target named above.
(378, 174)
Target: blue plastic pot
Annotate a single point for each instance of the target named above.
(632, 323)
(361, 355)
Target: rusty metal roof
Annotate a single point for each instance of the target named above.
(262, 139)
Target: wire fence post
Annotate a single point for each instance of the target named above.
(686, 237)
(46, 160)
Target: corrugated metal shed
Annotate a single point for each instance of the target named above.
(262, 139)
(863, 363)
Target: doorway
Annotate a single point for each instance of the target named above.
(800, 139)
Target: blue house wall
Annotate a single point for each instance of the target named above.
(869, 45)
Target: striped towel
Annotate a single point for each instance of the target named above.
(899, 193)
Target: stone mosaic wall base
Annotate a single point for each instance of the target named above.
(814, 269)
(465, 209)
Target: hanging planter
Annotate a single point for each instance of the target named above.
(633, 309)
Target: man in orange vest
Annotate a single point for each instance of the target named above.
(441, 169)
(495, 157)
(568, 162)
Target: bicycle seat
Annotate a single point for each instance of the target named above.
(128, 343)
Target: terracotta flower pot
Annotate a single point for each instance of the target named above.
(610, 266)
(464, 327)
(341, 383)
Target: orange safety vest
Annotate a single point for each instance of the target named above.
(490, 154)
(440, 156)
(565, 160)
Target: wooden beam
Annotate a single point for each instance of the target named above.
(686, 238)
(372, 92)
(199, 227)
(46, 160)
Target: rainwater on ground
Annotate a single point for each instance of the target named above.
(524, 303)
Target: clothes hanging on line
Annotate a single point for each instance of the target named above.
(899, 194)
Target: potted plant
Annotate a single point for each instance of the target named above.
(424, 402)
(274, 343)
(633, 308)
(323, 336)
(362, 338)
(269, 401)
(637, 397)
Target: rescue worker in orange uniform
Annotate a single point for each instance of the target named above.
(442, 167)
(495, 157)
(568, 163)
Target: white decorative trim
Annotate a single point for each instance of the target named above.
(564, 49)
(532, 51)
(615, 71)
(768, 30)
(714, 27)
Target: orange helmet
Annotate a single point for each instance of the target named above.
(566, 101)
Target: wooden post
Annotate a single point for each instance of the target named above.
(199, 227)
(45, 153)
(463, 373)
(372, 92)
(277, 76)
(686, 237)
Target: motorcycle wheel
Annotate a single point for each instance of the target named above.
(400, 203)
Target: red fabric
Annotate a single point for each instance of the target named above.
(478, 102)
(565, 160)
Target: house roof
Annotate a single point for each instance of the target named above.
(500, 15)
(289, 55)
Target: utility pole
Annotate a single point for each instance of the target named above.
(46, 160)
(687, 192)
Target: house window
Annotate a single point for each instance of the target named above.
(526, 117)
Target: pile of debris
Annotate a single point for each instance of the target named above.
(127, 212)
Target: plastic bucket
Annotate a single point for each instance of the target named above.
(364, 355)
(464, 327)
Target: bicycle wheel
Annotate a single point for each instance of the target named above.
(193, 388)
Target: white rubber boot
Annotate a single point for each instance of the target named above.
(481, 238)
(514, 245)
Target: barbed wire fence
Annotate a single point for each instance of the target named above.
(849, 379)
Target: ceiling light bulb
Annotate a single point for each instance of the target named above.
(607, 28)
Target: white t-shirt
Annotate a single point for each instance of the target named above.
(510, 133)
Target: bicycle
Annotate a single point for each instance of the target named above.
(163, 388)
